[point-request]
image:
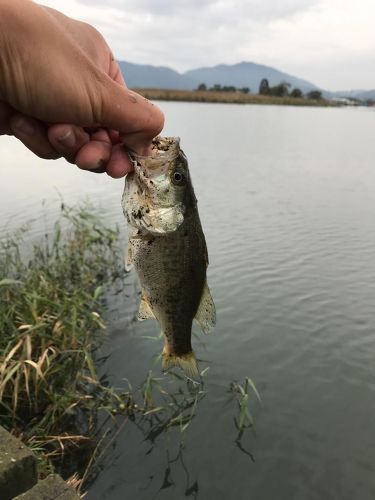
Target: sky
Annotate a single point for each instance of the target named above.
(330, 43)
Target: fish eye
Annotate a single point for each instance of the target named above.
(178, 178)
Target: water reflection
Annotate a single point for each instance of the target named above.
(173, 404)
(164, 411)
(240, 445)
(160, 406)
(191, 485)
(287, 204)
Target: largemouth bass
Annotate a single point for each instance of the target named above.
(168, 249)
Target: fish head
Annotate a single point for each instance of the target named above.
(159, 193)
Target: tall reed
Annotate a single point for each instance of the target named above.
(50, 317)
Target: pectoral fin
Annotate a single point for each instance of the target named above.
(206, 314)
(145, 311)
(129, 257)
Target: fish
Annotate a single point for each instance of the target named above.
(168, 249)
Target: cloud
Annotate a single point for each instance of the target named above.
(319, 40)
(187, 33)
(226, 10)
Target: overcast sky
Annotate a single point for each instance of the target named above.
(331, 43)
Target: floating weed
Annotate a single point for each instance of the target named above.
(151, 383)
(244, 420)
(159, 405)
(168, 402)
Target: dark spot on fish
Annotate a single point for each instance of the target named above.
(147, 210)
(137, 215)
(152, 183)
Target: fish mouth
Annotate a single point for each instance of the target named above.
(164, 151)
(155, 213)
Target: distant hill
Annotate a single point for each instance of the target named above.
(148, 76)
(244, 74)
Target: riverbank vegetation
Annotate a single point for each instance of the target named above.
(230, 96)
(52, 320)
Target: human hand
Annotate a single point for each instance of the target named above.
(62, 92)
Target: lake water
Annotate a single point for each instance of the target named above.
(287, 201)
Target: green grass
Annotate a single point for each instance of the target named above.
(244, 419)
(50, 320)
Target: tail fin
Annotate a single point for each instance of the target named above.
(187, 362)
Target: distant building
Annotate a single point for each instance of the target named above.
(344, 101)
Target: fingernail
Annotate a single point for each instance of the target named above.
(68, 139)
(24, 126)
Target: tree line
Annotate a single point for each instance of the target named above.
(283, 89)
(223, 88)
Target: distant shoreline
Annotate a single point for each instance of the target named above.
(227, 97)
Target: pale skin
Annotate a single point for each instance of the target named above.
(62, 93)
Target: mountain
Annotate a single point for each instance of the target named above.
(159, 77)
(246, 74)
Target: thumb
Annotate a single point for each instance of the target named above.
(136, 118)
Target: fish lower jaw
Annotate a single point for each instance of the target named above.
(187, 362)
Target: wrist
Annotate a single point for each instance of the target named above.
(15, 37)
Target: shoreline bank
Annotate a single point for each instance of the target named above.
(228, 97)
